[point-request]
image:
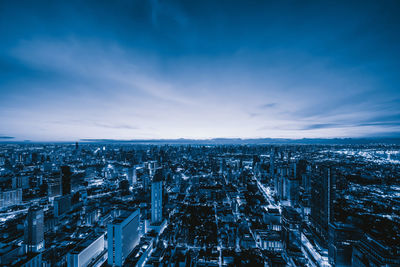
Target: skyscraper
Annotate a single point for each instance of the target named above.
(34, 230)
(156, 197)
(271, 163)
(322, 196)
(66, 180)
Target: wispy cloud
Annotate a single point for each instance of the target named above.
(269, 105)
(106, 69)
(320, 126)
(116, 126)
(6, 137)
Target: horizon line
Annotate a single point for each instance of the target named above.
(222, 140)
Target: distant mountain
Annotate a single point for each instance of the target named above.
(255, 141)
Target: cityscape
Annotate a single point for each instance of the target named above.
(111, 204)
(199, 133)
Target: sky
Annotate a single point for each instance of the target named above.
(162, 69)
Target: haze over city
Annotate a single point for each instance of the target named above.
(198, 69)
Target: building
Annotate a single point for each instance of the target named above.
(291, 224)
(123, 236)
(90, 251)
(152, 167)
(132, 176)
(143, 175)
(322, 196)
(272, 218)
(342, 238)
(10, 198)
(156, 197)
(66, 180)
(371, 252)
(271, 163)
(293, 191)
(20, 182)
(268, 240)
(34, 230)
(28, 260)
(62, 205)
(54, 186)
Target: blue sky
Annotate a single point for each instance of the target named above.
(199, 69)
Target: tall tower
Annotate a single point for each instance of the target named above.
(65, 180)
(156, 197)
(323, 187)
(271, 163)
(34, 230)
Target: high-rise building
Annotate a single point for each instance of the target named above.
(156, 197)
(271, 163)
(322, 196)
(123, 236)
(34, 230)
(66, 180)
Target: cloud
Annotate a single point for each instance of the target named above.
(268, 105)
(116, 126)
(320, 126)
(104, 69)
(6, 137)
(379, 123)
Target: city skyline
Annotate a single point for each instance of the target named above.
(198, 70)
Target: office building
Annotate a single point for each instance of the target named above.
(122, 237)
